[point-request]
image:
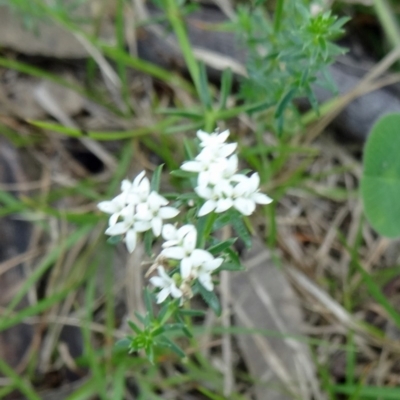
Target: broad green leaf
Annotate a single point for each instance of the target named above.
(380, 184)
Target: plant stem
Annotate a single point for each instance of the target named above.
(183, 40)
(388, 21)
(278, 15)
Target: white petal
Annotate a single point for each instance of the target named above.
(144, 189)
(206, 281)
(189, 241)
(117, 229)
(204, 191)
(261, 198)
(130, 240)
(224, 189)
(108, 207)
(213, 264)
(207, 207)
(204, 178)
(155, 200)
(175, 292)
(238, 178)
(223, 136)
(143, 212)
(170, 243)
(163, 295)
(168, 212)
(167, 279)
(126, 185)
(169, 232)
(203, 136)
(156, 226)
(186, 268)
(232, 165)
(244, 206)
(185, 229)
(192, 166)
(128, 212)
(113, 219)
(137, 180)
(254, 182)
(223, 205)
(132, 198)
(241, 188)
(157, 281)
(200, 256)
(227, 149)
(176, 253)
(142, 226)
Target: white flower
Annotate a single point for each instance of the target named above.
(114, 207)
(130, 225)
(174, 236)
(246, 194)
(139, 189)
(136, 210)
(181, 245)
(212, 162)
(205, 269)
(219, 197)
(154, 210)
(166, 284)
(243, 196)
(212, 139)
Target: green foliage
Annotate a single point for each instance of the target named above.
(284, 62)
(380, 185)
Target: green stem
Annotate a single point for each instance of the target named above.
(183, 40)
(388, 21)
(278, 15)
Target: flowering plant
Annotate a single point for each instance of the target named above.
(191, 255)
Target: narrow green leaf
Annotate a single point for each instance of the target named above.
(210, 298)
(284, 102)
(242, 231)
(204, 94)
(156, 178)
(226, 87)
(117, 135)
(123, 344)
(134, 327)
(368, 392)
(164, 341)
(220, 247)
(227, 266)
(18, 381)
(148, 242)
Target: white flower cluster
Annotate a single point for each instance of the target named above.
(194, 263)
(218, 182)
(136, 209)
